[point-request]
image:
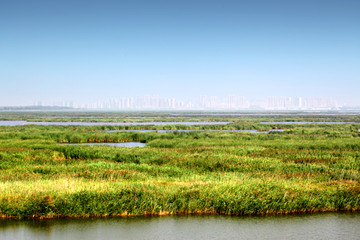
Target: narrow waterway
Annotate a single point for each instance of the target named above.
(20, 123)
(120, 144)
(314, 226)
(309, 122)
(195, 130)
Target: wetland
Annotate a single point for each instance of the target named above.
(218, 168)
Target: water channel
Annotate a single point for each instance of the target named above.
(120, 144)
(309, 122)
(312, 226)
(194, 130)
(19, 123)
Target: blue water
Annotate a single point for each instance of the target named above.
(315, 226)
(309, 122)
(190, 130)
(18, 123)
(122, 144)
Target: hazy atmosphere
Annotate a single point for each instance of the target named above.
(179, 119)
(88, 51)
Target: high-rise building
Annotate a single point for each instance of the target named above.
(203, 101)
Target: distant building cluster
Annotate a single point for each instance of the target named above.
(231, 102)
(147, 102)
(205, 102)
(299, 103)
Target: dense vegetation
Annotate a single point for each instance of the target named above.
(95, 116)
(307, 168)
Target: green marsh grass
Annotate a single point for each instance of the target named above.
(307, 168)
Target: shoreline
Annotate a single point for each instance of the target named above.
(195, 213)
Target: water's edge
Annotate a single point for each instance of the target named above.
(295, 226)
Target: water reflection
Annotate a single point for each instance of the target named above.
(317, 226)
(18, 123)
(309, 122)
(121, 144)
(194, 130)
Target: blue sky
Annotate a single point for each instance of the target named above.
(88, 50)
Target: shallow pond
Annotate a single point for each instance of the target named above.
(121, 144)
(203, 130)
(314, 226)
(18, 123)
(309, 122)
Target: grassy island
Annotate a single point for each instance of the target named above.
(305, 168)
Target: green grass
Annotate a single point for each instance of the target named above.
(307, 168)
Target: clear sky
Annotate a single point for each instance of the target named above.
(87, 50)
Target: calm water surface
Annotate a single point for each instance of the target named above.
(309, 122)
(190, 130)
(17, 123)
(121, 144)
(317, 226)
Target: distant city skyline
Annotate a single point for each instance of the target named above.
(82, 51)
(204, 102)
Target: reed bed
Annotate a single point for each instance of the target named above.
(306, 168)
